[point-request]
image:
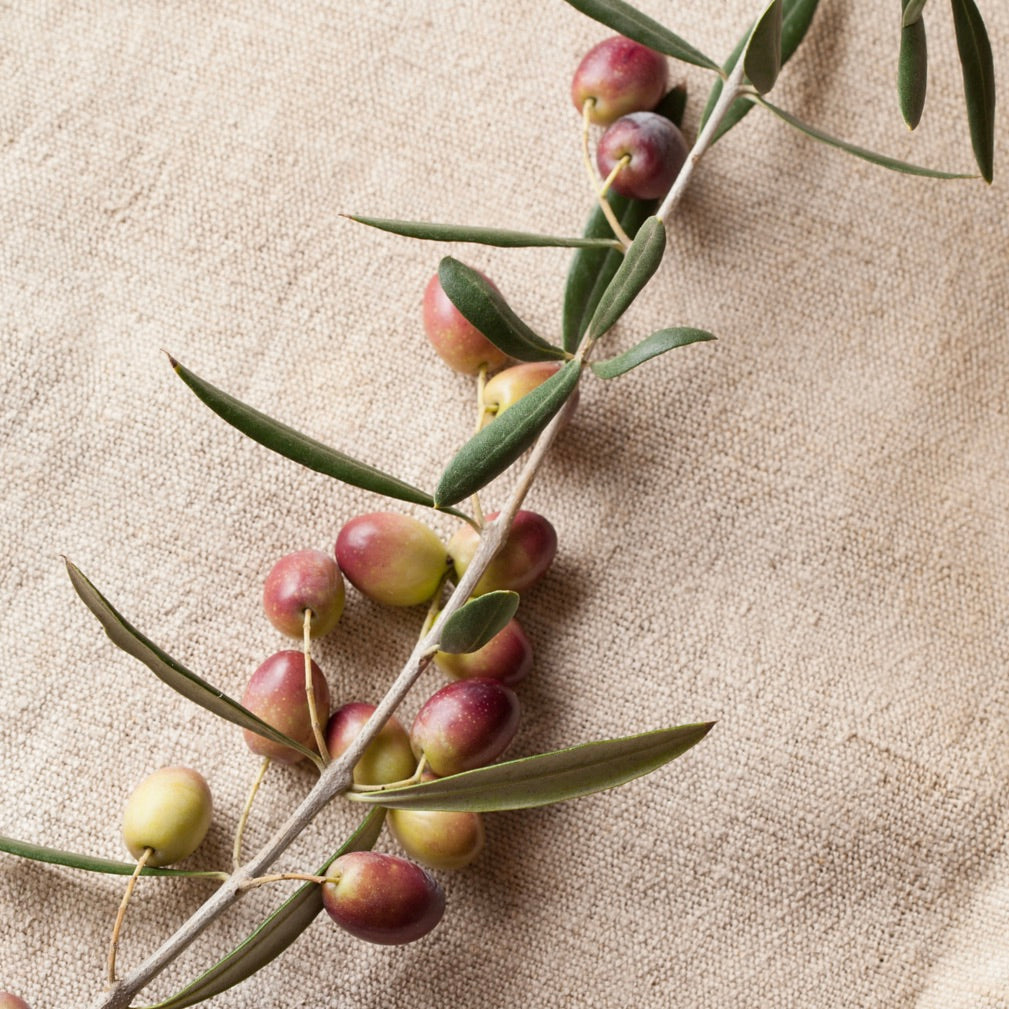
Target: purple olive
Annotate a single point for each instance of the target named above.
(387, 758)
(382, 898)
(528, 551)
(304, 580)
(507, 657)
(466, 724)
(619, 76)
(276, 693)
(656, 150)
(393, 559)
(457, 341)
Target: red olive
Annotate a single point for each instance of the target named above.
(304, 580)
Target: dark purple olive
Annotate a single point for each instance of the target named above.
(304, 580)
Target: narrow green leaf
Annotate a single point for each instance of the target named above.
(641, 261)
(629, 21)
(673, 105)
(483, 236)
(859, 152)
(978, 82)
(476, 622)
(652, 346)
(277, 932)
(762, 56)
(298, 447)
(912, 71)
(482, 304)
(912, 12)
(131, 641)
(56, 856)
(592, 269)
(492, 450)
(796, 19)
(546, 778)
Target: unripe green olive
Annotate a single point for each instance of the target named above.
(169, 812)
(304, 580)
(393, 559)
(619, 76)
(387, 758)
(8, 1000)
(456, 340)
(383, 899)
(440, 839)
(507, 387)
(507, 657)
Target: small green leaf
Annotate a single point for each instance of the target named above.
(592, 269)
(277, 932)
(546, 778)
(131, 641)
(483, 236)
(298, 447)
(859, 152)
(796, 19)
(56, 856)
(762, 56)
(912, 12)
(912, 71)
(652, 346)
(481, 303)
(492, 450)
(629, 21)
(641, 261)
(476, 622)
(978, 82)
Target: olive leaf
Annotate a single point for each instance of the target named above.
(300, 448)
(500, 237)
(859, 152)
(912, 70)
(658, 343)
(912, 11)
(547, 777)
(477, 621)
(191, 686)
(797, 15)
(483, 306)
(276, 932)
(74, 860)
(627, 20)
(762, 56)
(673, 105)
(978, 82)
(492, 450)
(638, 266)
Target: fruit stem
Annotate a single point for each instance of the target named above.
(595, 181)
(313, 713)
(481, 384)
(244, 819)
(279, 877)
(121, 913)
(614, 172)
(402, 783)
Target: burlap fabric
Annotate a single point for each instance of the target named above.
(799, 531)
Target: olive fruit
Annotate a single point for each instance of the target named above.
(8, 1000)
(276, 693)
(507, 387)
(466, 724)
(618, 76)
(304, 580)
(169, 812)
(528, 551)
(455, 339)
(387, 758)
(381, 898)
(440, 839)
(656, 150)
(393, 559)
(507, 657)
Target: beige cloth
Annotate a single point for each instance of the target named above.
(799, 531)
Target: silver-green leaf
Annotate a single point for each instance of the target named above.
(652, 346)
(912, 71)
(167, 669)
(477, 621)
(547, 777)
(762, 56)
(978, 82)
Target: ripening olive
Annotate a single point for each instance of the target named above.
(656, 150)
(507, 657)
(169, 812)
(440, 839)
(304, 580)
(507, 387)
(618, 76)
(456, 340)
(387, 758)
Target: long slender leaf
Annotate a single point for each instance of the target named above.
(859, 152)
(652, 346)
(476, 622)
(500, 237)
(277, 932)
(762, 56)
(978, 82)
(482, 304)
(912, 11)
(191, 686)
(492, 450)
(547, 777)
(57, 856)
(299, 447)
(637, 268)
(912, 71)
(797, 15)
